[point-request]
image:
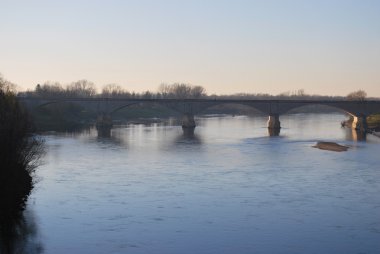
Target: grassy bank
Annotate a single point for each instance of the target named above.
(374, 121)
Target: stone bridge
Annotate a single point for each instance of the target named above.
(105, 107)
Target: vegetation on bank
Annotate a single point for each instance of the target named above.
(85, 88)
(373, 122)
(20, 150)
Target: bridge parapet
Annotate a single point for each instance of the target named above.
(195, 106)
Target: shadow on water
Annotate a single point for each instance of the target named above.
(188, 132)
(188, 137)
(274, 132)
(76, 132)
(18, 228)
(20, 151)
(115, 139)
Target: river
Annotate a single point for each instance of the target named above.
(230, 188)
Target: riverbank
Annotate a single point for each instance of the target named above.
(19, 154)
(373, 123)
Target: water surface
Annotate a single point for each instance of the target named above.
(228, 189)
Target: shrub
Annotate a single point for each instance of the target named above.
(20, 150)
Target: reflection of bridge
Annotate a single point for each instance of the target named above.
(105, 107)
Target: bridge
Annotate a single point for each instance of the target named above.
(105, 107)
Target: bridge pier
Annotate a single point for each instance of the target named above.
(104, 125)
(274, 124)
(188, 125)
(360, 123)
(188, 121)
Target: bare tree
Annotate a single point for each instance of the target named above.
(6, 86)
(113, 90)
(81, 88)
(147, 95)
(198, 92)
(300, 93)
(181, 91)
(164, 90)
(50, 89)
(284, 94)
(359, 95)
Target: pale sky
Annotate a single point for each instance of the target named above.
(329, 47)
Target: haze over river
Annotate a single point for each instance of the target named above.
(229, 189)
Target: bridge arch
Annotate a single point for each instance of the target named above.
(117, 108)
(352, 108)
(231, 105)
(114, 110)
(324, 106)
(358, 111)
(189, 107)
(36, 104)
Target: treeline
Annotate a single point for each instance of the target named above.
(85, 88)
(299, 94)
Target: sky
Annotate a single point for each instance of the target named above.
(327, 47)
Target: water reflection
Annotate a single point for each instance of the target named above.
(358, 135)
(75, 132)
(171, 186)
(104, 132)
(115, 139)
(188, 132)
(188, 136)
(71, 129)
(354, 135)
(18, 232)
(274, 132)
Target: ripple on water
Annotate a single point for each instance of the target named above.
(228, 189)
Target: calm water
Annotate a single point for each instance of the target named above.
(228, 189)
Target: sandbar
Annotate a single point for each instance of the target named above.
(331, 146)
